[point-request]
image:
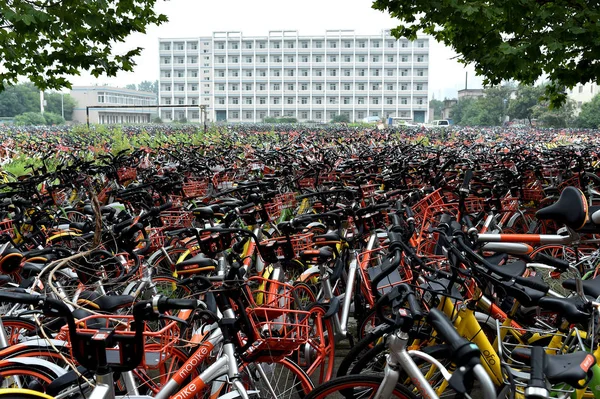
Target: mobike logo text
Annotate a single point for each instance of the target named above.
(191, 364)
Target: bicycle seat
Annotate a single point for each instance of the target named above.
(320, 255)
(204, 212)
(105, 303)
(332, 237)
(31, 269)
(516, 268)
(569, 368)
(590, 287)
(571, 209)
(198, 263)
(497, 259)
(572, 309)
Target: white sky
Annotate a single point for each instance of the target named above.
(194, 18)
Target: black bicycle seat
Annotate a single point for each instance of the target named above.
(571, 209)
(571, 309)
(106, 303)
(590, 287)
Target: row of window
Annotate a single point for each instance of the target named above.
(315, 100)
(374, 43)
(220, 73)
(303, 115)
(315, 58)
(319, 87)
(182, 46)
(124, 99)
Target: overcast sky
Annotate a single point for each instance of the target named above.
(194, 18)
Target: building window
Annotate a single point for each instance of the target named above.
(404, 100)
(361, 44)
(404, 87)
(375, 43)
(234, 60)
(420, 58)
(332, 86)
(234, 74)
(332, 44)
(304, 115)
(389, 100)
(276, 86)
(234, 87)
(166, 60)
(360, 115)
(419, 86)
(333, 72)
(248, 45)
(332, 100)
(361, 100)
(262, 45)
(290, 72)
(420, 101)
(276, 114)
(304, 45)
(404, 72)
(390, 72)
(263, 59)
(248, 100)
(375, 72)
(346, 100)
(221, 60)
(248, 87)
(376, 101)
(221, 46)
(234, 46)
(235, 115)
(166, 47)
(277, 59)
(290, 44)
(261, 87)
(375, 86)
(318, 100)
(420, 72)
(234, 100)
(347, 58)
(290, 100)
(390, 58)
(276, 100)
(361, 86)
(221, 87)
(290, 87)
(390, 87)
(347, 86)
(249, 73)
(276, 45)
(347, 44)
(262, 73)
(332, 58)
(180, 74)
(318, 58)
(318, 87)
(290, 59)
(276, 72)
(404, 44)
(318, 72)
(318, 115)
(248, 60)
(346, 72)
(221, 74)
(318, 44)
(262, 100)
(581, 88)
(361, 58)
(304, 72)
(404, 58)
(361, 72)
(304, 87)
(304, 100)
(421, 44)
(375, 58)
(262, 115)
(221, 101)
(304, 59)
(391, 44)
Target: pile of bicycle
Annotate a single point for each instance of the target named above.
(245, 269)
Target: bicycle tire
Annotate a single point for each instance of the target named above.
(356, 386)
(15, 326)
(20, 393)
(360, 349)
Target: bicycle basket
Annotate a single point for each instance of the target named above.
(287, 247)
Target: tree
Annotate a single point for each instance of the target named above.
(528, 97)
(30, 118)
(342, 118)
(56, 101)
(485, 111)
(151, 87)
(53, 119)
(457, 112)
(511, 39)
(49, 40)
(438, 107)
(589, 117)
(557, 117)
(157, 120)
(131, 86)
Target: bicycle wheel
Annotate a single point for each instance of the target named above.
(17, 328)
(15, 373)
(284, 379)
(356, 387)
(317, 356)
(17, 393)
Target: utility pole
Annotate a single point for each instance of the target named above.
(41, 102)
(62, 104)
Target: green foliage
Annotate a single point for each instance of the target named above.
(47, 41)
(131, 86)
(528, 97)
(119, 141)
(157, 120)
(340, 119)
(438, 107)
(25, 97)
(589, 117)
(511, 39)
(55, 103)
(183, 119)
(53, 119)
(485, 111)
(151, 87)
(270, 119)
(30, 118)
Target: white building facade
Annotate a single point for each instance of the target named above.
(105, 99)
(311, 78)
(583, 93)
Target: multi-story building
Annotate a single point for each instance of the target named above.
(106, 99)
(311, 78)
(583, 93)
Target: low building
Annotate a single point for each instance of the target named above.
(470, 93)
(107, 99)
(448, 105)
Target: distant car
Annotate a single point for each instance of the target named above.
(440, 122)
(371, 119)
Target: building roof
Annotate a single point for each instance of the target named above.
(115, 90)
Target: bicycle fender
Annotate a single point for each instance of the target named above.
(330, 308)
(311, 271)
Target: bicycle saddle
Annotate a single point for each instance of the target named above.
(569, 368)
(198, 263)
(590, 287)
(572, 309)
(571, 209)
(320, 255)
(104, 303)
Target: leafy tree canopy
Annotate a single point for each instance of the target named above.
(37, 119)
(589, 117)
(511, 39)
(527, 97)
(49, 40)
(341, 118)
(22, 98)
(145, 85)
(438, 107)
